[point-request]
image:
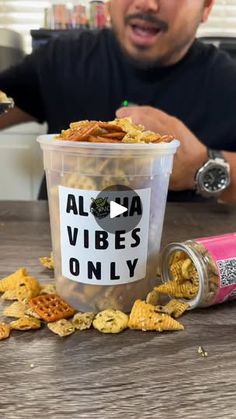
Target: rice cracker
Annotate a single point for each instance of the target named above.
(62, 327)
(110, 321)
(26, 323)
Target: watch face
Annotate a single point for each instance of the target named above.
(215, 179)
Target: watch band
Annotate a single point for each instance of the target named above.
(214, 176)
(215, 154)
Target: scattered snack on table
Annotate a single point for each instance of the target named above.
(20, 286)
(144, 317)
(48, 289)
(16, 309)
(202, 352)
(120, 130)
(5, 330)
(110, 321)
(47, 261)
(26, 323)
(50, 307)
(9, 295)
(83, 321)
(29, 311)
(27, 287)
(10, 282)
(62, 327)
(174, 308)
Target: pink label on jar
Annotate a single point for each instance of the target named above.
(223, 251)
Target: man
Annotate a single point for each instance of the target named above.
(150, 58)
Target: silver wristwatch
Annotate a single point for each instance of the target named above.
(214, 176)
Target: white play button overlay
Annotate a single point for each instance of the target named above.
(116, 209)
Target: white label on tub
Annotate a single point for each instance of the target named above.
(91, 254)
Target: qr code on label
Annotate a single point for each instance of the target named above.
(227, 269)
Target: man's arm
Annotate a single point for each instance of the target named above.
(229, 195)
(191, 154)
(13, 117)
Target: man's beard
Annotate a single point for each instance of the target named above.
(140, 63)
(137, 61)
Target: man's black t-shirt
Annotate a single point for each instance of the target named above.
(86, 76)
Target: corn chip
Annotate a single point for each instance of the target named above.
(153, 298)
(10, 282)
(186, 268)
(185, 290)
(144, 317)
(177, 256)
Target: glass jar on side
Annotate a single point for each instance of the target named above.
(214, 261)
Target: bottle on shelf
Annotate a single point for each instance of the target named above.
(79, 14)
(98, 14)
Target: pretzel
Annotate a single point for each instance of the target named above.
(120, 130)
(81, 133)
(51, 307)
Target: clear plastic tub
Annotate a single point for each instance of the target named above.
(97, 269)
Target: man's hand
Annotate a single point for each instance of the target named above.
(13, 117)
(190, 155)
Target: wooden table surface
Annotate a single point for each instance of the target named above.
(129, 375)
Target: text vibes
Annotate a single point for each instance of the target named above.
(92, 255)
